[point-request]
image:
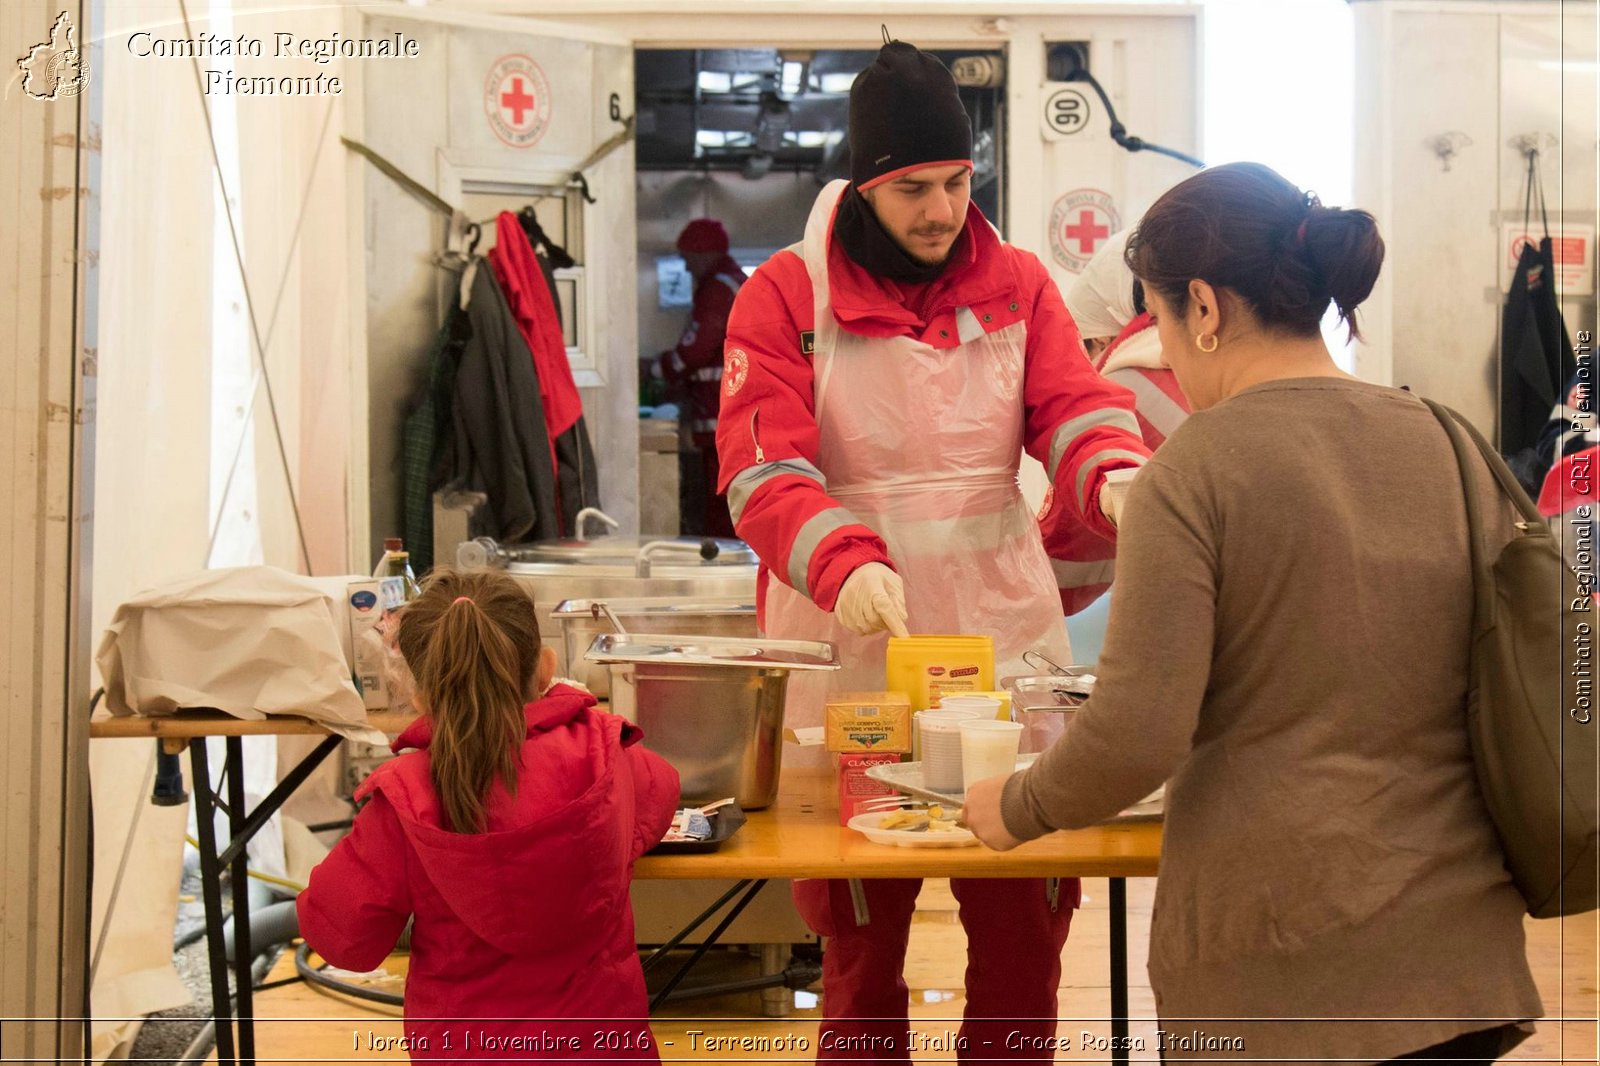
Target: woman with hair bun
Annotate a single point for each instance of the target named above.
(1287, 649)
(508, 839)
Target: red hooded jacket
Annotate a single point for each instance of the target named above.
(527, 920)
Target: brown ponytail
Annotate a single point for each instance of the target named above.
(472, 642)
(1244, 227)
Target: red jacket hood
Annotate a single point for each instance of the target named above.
(526, 894)
(978, 274)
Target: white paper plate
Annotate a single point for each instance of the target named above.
(907, 777)
(867, 825)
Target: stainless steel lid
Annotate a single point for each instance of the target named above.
(1050, 691)
(616, 551)
(756, 652)
(659, 606)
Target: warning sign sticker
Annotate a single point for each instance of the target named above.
(1080, 222)
(1572, 247)
(516, 99)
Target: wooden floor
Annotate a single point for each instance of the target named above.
(298, 1023)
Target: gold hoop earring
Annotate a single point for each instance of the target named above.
(1200, 342)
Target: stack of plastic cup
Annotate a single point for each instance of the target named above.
(988, 749)
(984, 706)
(939, 738)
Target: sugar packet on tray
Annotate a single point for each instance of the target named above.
(693, 823)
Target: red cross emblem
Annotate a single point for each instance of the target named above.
(1080, 222)
(1086, 232)
(516, 101)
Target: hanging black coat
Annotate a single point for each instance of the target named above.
(1535, 352)
(498, 444)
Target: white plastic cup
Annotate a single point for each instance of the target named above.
(983, 706)
(939, 741)
(988, 749)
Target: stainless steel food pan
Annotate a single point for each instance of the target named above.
(711, 706)
(581, 620)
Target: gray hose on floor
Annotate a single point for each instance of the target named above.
(274, 924)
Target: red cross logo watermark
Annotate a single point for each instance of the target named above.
(516, 99)
(1080, 222)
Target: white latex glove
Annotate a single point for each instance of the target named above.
(872, 598)
(1105, 504)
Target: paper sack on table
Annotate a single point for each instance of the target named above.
(250, 641)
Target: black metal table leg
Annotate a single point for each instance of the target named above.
(1119, 970)
(243, 957)
(716, 935)
(205, 812)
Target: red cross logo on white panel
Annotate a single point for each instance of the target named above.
(1080, 222)
(516, 99)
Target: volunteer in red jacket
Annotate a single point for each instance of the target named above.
(1107, 305)
(510, 835)
(695, 365)
(880, 382)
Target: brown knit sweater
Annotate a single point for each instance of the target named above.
(1287, 648)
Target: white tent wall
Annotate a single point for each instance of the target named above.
(1487, 73)
(151, 496)
(179, 399)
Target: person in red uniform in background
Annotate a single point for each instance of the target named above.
(881, 380)
(694, 367)
(508, 838)
(1107, 305)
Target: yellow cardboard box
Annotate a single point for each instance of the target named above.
(868, 721)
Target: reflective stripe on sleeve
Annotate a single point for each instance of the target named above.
(1095, 460)
(1070, 430)
(1083, 575)
(751, 478)
(707, 373)
(817, 527)
(1159, 409)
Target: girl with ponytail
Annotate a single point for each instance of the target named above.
(507, 837)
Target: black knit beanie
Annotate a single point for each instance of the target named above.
(905, 113)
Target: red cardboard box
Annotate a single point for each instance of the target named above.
(855, 787)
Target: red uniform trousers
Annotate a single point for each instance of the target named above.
(1014, 945)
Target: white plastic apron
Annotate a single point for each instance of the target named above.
(921, 444)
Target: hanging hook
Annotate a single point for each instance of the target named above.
(884, 26)
(474, 234)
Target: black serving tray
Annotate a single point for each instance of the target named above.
(725, 821)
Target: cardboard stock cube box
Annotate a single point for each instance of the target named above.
(868, 721)
(855, 787)
(365, 646)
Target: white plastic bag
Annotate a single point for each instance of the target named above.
(250, 641)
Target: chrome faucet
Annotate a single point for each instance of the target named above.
(593, 512)
(707, 549)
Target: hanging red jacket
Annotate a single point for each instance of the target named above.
(528, 920)
(517, 270)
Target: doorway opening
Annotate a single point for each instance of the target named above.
(749, 137)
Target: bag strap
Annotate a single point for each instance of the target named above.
(1482, 609)
(1497, 466)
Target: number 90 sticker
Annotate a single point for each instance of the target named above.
(736, 367)
(1066, 112)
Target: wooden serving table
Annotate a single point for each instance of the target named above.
(798, 836)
